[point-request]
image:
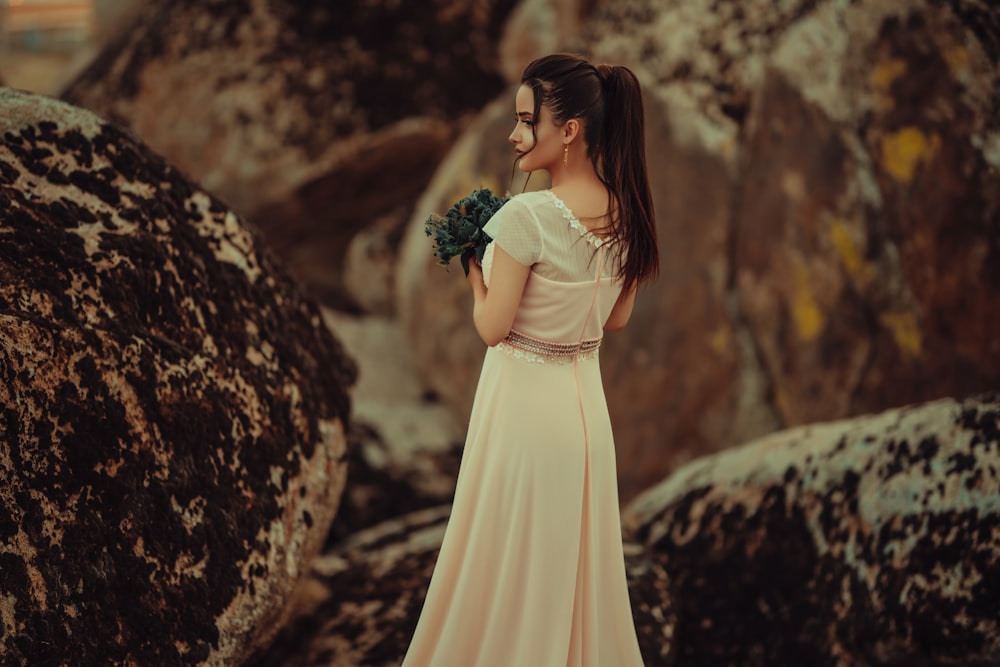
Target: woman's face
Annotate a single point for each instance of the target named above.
(545, 146)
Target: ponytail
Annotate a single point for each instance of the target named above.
(621, 154)
(609, 101)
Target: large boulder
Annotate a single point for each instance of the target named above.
(313, 119)
(871, 541)
(867, 245)
(173, 411)
(826, 178)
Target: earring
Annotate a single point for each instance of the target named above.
(565, 155)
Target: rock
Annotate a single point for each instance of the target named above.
(868, 274)
(111, 17)
(172, 427)
(382, 485)
(828, 231)
(539, 27)
(872, 540)
(312, 119)
(369, 274)
(361, 604)
(652, 608)
(403, 449)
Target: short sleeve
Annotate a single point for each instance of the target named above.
(516, 229)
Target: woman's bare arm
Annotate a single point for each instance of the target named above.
(622, 311)
(494, 309)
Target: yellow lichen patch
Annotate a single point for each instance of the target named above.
(719, 341)
(905, 331)
(806, 313)
(860, 270)
(881, 78)
(886, 72)
(902, 151)
(957, 58)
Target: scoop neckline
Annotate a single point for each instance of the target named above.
(574, 222)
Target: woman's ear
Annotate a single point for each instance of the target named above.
(570, 129)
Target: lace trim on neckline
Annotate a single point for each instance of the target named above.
(592, 238)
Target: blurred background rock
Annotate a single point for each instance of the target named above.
(827, 182)
(825, 176)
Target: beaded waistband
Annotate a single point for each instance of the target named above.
(541, 351)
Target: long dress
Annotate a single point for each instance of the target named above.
(531, 570)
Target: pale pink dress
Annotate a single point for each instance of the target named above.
(531, 571)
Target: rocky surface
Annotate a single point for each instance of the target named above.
(869, 276)
(539, 27)
(313, 119)
(403, 447)
(826, 178)
(872, 541)
(361, 603)
(172, 428)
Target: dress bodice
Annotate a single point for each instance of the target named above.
(570, 290)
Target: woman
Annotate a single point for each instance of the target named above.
(531, 571)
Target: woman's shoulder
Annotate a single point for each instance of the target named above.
(515, 212)
(522, 205)
(536, 204)
(533, 199)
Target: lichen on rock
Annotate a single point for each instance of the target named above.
(171, 409)
(866, 541)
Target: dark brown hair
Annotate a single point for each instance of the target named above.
(607, 100)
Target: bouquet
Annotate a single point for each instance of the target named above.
(459, 232)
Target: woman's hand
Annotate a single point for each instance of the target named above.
(475, 267)
(476, 280)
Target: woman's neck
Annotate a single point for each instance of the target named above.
(575, 176)
(584, 194)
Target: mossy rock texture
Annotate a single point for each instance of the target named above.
(867, 541)
(172, 411)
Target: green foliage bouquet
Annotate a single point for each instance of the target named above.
(459, 232)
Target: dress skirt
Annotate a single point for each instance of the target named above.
(531, 570)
